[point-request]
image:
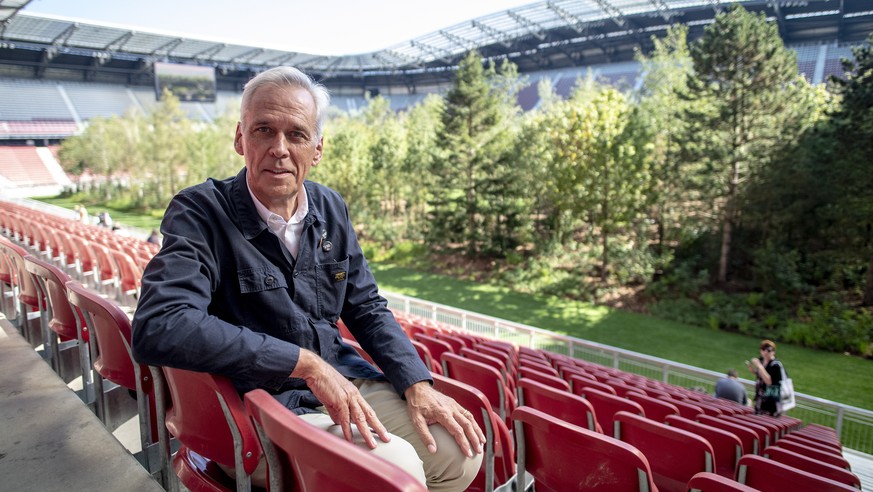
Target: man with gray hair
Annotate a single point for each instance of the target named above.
(256, 271)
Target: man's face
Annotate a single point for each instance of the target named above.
(277, 138)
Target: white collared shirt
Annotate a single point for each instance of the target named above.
(288, 232)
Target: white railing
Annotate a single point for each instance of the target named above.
(854, 425)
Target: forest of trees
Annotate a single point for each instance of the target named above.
(726, 192)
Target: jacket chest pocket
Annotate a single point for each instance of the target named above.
(331, 280)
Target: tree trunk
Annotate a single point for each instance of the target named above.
(868, 285)
(728, 227)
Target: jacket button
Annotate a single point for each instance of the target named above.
(270, 280)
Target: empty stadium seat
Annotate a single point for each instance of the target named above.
(726, 446)
(711, 482)
(767, 475)
(563, 457)
(607, 405)
(559, 403)
(303, 457)
(674, 455)
(112, 361)
(498, 464)
(812, 465)
(210, 422)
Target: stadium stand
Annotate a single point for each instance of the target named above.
(811, 455)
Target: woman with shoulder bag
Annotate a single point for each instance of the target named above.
(768, 372)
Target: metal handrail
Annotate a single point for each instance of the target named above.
(854, 425)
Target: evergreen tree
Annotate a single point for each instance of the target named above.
(741, 111)
(472, 202)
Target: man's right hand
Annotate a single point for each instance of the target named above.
(340, 397)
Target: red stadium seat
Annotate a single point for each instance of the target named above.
(654, 408)
(811, 465)
(62, 333)
(112, 360)
(482, 377)
(816, 454)
(726, 446)
(28, 299)
(607, 405)
(675, 455)
(498, 465)
(566, 406)
(209, 420)
(563, 457)
(711, 482)
(302, 457)
(749, 438)
(771, 476)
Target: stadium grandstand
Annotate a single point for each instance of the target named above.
(62, 282)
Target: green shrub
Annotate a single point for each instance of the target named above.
(833, 326)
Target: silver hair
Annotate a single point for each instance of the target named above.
(290, 76)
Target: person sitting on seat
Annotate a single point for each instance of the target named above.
(730, 388)
(255, 272)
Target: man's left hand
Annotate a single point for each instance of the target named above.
(428, 406)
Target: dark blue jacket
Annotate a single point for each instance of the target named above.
(224, 296)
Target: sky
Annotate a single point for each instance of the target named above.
(323, 27)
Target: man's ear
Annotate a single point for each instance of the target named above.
(318, 152)
(237, 140)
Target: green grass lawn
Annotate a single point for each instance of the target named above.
(826, 375)
(123, 217)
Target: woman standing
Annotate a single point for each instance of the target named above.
(768, 373)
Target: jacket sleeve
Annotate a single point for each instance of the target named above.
(172, 325)
(367, 316)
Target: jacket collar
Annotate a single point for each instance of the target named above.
(250, 222)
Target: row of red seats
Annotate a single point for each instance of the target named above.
(189, 421)
(94, 255)
(679, 432)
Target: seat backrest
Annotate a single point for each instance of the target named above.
(437, 347)
(319, 460)
(816, 454)
(578, 383)
(812, 443)
(764, 436)
(749, 438)
(456, 343)
(27, 289)
(206, 413)
(675, 455)
(655, 409)
(817, 441)
(768, 475)
(426, 357)
(480, 376)
(128, 270)
(811, 465)
(606, 405)
(498, 465)
(686, 409)
(552, 381)
(726, 446)
(563, 456)
(110, 326)
(63, 320)
(711, 482)
(558, 403)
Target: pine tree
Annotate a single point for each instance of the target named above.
(741, 110)
(470, 203)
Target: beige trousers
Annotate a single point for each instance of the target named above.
(444, 471)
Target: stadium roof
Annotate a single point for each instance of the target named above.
(540, 36)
